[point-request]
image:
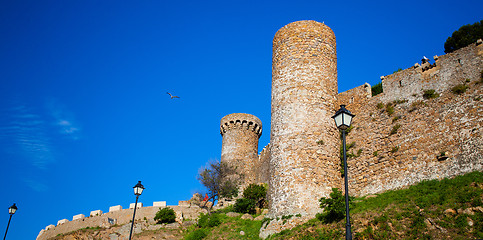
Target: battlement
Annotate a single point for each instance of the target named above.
(241, 121)
(118, 215)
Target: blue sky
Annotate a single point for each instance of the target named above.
(84, 112)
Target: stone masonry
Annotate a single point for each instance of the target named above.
(304, 89)
(398, 138)
(240, 132)
(423, 138)
(118, 216)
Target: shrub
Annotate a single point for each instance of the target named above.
(430, 93)
(459, 89)
(389, 109)
(206, 220)
(165, 215)
(376, 89)
(395, 149)
(415, 105)
(245, 205)
(398, 101)
(396, 118)
(375, 153)
(255, 192)
(380, 105)
(464, 36)
(395, 128)
(398, 70)
(197, 234)
(334, 207)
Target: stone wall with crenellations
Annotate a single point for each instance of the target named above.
(119, 216)
(422, 138)
(240, 132)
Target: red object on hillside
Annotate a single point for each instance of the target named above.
(206, 197)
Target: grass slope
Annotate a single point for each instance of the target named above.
(446, 209)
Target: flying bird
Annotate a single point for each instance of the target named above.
(172, 95)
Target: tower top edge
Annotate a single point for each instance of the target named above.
(304, 26)
(241, 117)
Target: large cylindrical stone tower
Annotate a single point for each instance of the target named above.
(304, 140)
(240, 133)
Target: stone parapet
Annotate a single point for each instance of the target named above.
(115, 208)
(139, 205)
(111, 218)
(241, 120)
(62, 221)
(95, 213)
(78, 216)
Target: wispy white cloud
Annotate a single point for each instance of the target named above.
(36, 185)
(28, 132)
(64, 120)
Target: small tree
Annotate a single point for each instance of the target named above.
(220, 180)
(253, 196)
(165, 215)
(334, 207)
(464, 36)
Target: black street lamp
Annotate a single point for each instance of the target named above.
(343, 119)
(138, 190)
(12, 211)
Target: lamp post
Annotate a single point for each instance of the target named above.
(12, 209)
(343, 119)
(138, 190)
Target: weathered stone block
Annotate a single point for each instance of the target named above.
(96, 213)
(78, 216)
(62, 221)
(159, 204)
(183, 203)
(131, 206)
(115, 208)
(49, 227)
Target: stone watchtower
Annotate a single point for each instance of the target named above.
(240, 133)
(304, 140)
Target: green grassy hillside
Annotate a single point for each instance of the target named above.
(446, 209)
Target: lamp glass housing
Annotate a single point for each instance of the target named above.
(12, 209)
(138, 189)
(343, 118)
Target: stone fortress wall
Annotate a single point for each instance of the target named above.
(398, 137)
(423, 138)
(240, 132)
(119, 216)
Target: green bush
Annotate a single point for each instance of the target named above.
(253, 197)
(255, 192)
(165, 215)
(197, 234)
(389, 109)
(395, 149)
(376, 89)
(459, 89)
(380, 105)
(396, 118)
(464, 36)
(207, 221)
(417, 104)
(334, 207)
(430, 93)
(245, 205)
(395, 128)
